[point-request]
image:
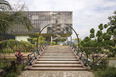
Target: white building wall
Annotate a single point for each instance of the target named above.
(21, 37)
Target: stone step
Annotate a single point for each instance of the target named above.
(57, 65)
(58, 54)
(56, 59)
(59, 58)
(57, 62)
(59, 68)
(60, 51)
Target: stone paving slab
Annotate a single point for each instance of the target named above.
(56, 74)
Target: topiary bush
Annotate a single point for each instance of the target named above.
(52, 43)
(11, 46)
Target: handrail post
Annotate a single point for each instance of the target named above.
(38, 52)
(34, 56)
(86, 61)
(77, 52)
(43, 46)
(29, 61)
(81, 54)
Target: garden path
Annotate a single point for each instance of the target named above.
(28, 73)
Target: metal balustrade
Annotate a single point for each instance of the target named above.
(32, 56)
(82, 56)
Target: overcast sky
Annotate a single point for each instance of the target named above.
(87, 14)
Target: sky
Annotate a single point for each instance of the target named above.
(87, 14)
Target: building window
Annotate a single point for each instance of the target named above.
(35, 17)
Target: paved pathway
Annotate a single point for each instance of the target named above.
(56, 74)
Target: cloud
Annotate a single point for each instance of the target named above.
(87, 14)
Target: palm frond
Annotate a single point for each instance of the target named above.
(20, 19)
(4, 2)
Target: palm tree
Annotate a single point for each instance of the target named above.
(4, 5)
(9, 19)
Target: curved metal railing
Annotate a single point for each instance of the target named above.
(32, 56)
(82, 56)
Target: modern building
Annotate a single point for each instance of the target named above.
(57, 21)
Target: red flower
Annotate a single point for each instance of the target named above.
(19, 53)
(6, 66)
(31, 58)
(19, 59)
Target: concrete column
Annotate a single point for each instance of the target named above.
(66, 38)
(71, 38)
(51, 39)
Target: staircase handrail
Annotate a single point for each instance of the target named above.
(82, 56)
(35, 53)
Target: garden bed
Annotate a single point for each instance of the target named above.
(11, 55)
(12, 67)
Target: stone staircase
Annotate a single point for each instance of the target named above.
(57, 58)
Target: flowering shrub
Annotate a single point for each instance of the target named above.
(7, 67)
(13, 67)
(20, 57)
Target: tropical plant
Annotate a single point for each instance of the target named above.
(12, 67)
(9, 18)
(4, 5)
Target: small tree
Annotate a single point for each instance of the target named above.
(112, 25)
(94, 45)
(52, 43)
(75, 41)
(112, 31)
(40, 41)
